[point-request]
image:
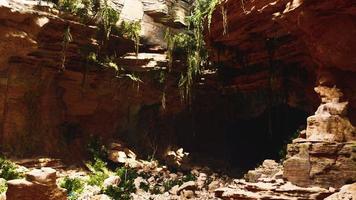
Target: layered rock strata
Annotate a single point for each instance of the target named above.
(46, 112)
(326, 156)
(287, 48)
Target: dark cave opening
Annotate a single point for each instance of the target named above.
(236, 144)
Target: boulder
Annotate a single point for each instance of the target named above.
(190, 185)
(45, 175)
(39, 184)
(268, 169)
(112, 180)
(347, 192)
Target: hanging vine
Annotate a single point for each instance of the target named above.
(67, 38)
(195, 46)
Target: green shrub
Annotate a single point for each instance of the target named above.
(118, 193)
(126, 187)
(126, 174)
(8, 170)
(74, 187)
(99, 172)
(97, 179)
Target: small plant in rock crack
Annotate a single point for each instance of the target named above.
(74, 187)
(8, 170)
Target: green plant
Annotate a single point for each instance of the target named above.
(97, 178)
(99, 172)
(70, 6)
(74, 187)
(126, 185)
(192, 43)
(8, 170)
(118, 193)
(108, 19)
(131, 30)
(126, 174)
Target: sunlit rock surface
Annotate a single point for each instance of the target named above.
(50, 113)
(326, 157)
(39, 184)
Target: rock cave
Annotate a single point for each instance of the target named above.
(177, 99)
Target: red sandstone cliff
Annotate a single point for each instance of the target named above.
(292, 47)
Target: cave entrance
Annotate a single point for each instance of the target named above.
(239, 142)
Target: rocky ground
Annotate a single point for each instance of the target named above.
(126, 177)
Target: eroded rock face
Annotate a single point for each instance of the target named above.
(46, 112)
(326, 157)
(287, 48)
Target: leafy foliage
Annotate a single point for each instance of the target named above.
(118, 193)
(126, 186)
(131, 30)
(8, 170)
(99, 172)
(191, 43)
(74, 187)
(108, 19)
(70, 6)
